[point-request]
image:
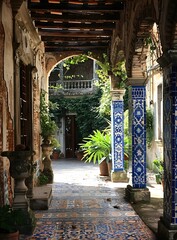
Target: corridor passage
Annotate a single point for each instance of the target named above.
(87, 206)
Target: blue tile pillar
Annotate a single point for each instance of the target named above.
(167, 226)
(138, 192)
(117, 127)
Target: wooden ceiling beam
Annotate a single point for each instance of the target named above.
(68, 34)
(70, 49)
(67, 7)
(54, 25)
(72, 39)
(99, 18)
(75, 45)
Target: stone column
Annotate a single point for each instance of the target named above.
(117, 127)
(138, 191)
(167, 226)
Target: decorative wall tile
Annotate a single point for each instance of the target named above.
(138, 137)
(170, 144)
(117, 135)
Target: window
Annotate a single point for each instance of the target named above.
(25, 100)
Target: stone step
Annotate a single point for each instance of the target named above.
(42, 197)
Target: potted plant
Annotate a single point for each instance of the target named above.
(79, 153)
(56, 153)
(97, 148)
(10, 222)
(48, 126)
(159, 169)
(48, 130)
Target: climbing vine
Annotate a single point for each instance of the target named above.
(86, 109)
(92, 110)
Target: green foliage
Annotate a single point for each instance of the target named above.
(96, 147)
(158, 163)
(149, 41)
(120, 71)
(74, 60)
(42, 179)
(10, 219)
(104, 82)
(105, 101)
(56, 87)
(55, 143)
(48, 126)
(127, 136)
(149, 127)
(88, 117)
(49, 174)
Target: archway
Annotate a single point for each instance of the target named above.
(72, 86)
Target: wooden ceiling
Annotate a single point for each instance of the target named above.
(70, 25)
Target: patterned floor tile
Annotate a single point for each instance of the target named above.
(87, 208)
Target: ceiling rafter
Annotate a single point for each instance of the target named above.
(70, 25)
(105, 17)
(85, 7)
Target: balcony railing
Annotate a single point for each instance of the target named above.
(72, 87)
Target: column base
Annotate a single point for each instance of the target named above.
(120, 176)
(166, 233)
(136, 195)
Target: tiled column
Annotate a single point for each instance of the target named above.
(167, 226)
(117, 127)
(138, 191)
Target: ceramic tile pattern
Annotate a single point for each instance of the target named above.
(117, 135)
(170, 144)
(139, 137)
(85, 206)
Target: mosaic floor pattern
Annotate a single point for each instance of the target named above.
(85, 206)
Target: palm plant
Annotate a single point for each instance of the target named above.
(96, 147)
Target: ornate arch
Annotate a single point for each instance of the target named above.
(51, 59)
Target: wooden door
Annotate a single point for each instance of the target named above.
(70, 136)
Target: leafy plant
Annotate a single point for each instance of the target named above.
(88, 117)
(48, 126)
(10, 219)
(104, 84)
(158, 163)
(55, 143)
(127, 138)
(96, 146)
(42, 179)
(149, 127)
(74, 60)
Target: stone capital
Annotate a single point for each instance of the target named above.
(168, 58)
(117, 94)
(136, 82)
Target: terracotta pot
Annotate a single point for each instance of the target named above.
(79, 155)
(104, 168)
(55, 155)
(109, 167)
(9, 236)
